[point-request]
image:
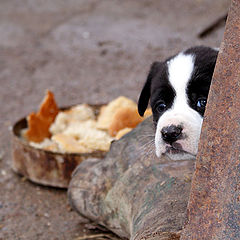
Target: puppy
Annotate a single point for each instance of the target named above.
(178, 89)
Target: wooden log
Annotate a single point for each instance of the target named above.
(131, 192)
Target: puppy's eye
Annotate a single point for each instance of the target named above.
(161, 106)
(201, 104)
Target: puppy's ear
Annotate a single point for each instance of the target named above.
(146, 91)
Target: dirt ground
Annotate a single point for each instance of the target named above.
(84, 51)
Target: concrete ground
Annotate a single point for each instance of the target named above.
(84, 51)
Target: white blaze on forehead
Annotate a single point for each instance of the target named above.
(180, 70)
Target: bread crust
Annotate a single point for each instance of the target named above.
(39, 123)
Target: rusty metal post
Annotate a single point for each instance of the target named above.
(214, 204)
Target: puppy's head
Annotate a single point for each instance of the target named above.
(178, 89)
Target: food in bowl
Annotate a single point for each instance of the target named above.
(78, 129)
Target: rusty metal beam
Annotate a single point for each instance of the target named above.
(214, 204)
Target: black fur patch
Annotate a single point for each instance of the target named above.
(199, 84)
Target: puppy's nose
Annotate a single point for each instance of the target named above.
(171, 133)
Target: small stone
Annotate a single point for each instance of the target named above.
(85, 35)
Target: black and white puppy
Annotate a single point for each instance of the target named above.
(178, 90)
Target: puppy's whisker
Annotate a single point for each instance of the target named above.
(146, 148)
(151, 149)
(147, 134)
(151, 142)
(145, 137)
(148, 154)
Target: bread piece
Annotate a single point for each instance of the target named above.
(80, 129)
(77, 113)
(46, 144)
(96, 140)
(122, 132)
(147, 113)
(39, 123)
(107, 112)
(81, 112)
(126, 117)
(67, 143)
(83, 137)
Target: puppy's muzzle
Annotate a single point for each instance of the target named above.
(171, 134)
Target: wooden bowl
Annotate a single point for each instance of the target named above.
(42, 166)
